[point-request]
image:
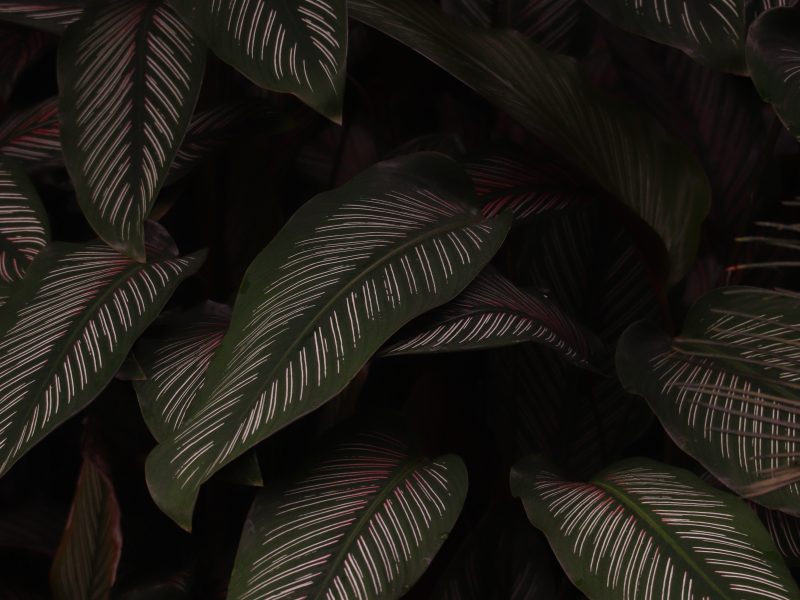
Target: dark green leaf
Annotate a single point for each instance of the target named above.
(32, 136)
(49, 15)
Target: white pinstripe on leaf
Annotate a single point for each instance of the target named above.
(32, 136)
(50, 15)
(345, 273)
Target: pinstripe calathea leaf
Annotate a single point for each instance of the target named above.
(711, 32)
(364, 520)
(612, 142)
(773, 57)
(348, 270)
(299, 46)
(726, 389)
(493, 312)
(641, 529)
(67, 329)
(85, 565)
(49, 15)
(24, 230)
(129, 74)
(32, 136)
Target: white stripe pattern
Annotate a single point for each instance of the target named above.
(71, 329)
(32, 136)
(23, 228)
(625, 529)
(131, 87)
(362, 523)
(52, 16)
(493, 312)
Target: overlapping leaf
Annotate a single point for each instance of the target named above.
(298, 47)
(85, 565)
(24, 230)
(493, 312)
(49, 15)
(66, 331)
(129, 75)
(346, 272)
(33, 136)
(726, 389)
(363, 521)
(773, 57)
(641, 529)
(612, 142)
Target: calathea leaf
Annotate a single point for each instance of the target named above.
(50, 15)
(773, 57)
(298, 47)
(726, 389)
(129, 74)
(711, 32)
(67, 329)
(364, 520)
(641, 529)
(85, 565)
(493, 312)
(612, 142)
(24, 230)
(32, 136)
(347, 271)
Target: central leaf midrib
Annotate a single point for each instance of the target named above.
(312, 324)
(400, 474)
(662, 533)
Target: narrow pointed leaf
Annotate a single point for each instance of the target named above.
(67, 329)
(129, 74)
(493, 312)
(33, 136)
(24, 229)
(641, 529)
(612, 142)
(299, 47)
(711, 32)
(49, 15)
(773, 57)
(364, 520)
(85, 565)
(348, 270)
(726, 389)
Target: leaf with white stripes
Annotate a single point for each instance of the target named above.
(297, 46)
(773, 57)
(728, 388)
(493, 312)
(85, 565)
(644, 530)
(129, 74)
(348, 270)
(66, 331)
(32, 136)
(712, 32)
(612, 142)
(24, 230)
(364, 520)
(49, 15)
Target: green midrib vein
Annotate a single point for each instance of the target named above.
(662, 533)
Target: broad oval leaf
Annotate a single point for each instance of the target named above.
(24, 229)
(641, 529)
(346, 272)
(85, 565)
(613, 142)
(364, 520)
(67, 329)
(726, 389)
(299, 47)
(49, 15)
(33, 136)
(493, 312)
(129, 75)
(773, 56)
(712, 32)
